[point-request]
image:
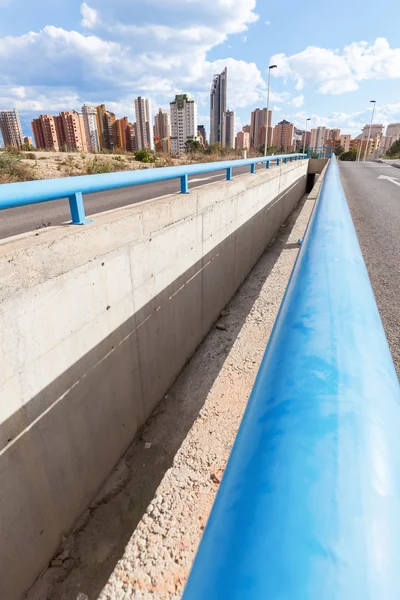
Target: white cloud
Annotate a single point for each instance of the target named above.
(125, 58)
(267, 22)
(298, 101)
(89, 16)
(335, 72)
(245, 38)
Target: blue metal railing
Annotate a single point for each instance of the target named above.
(33, 192)
(309, 505)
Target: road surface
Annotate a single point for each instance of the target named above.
(28, 218)
(373, 193)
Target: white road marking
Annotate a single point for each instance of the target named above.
(206, 178)
(394, 180)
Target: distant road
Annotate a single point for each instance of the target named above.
(28, 218)
(373, 193)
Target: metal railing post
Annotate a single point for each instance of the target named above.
(278, 162)
(77, 210)
(184, 184)
(267, 164)
(253, 168)
(229, 174)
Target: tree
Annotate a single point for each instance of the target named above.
(394, 149)
(351, 155)
(193, 145)
(144, 156)
(339, 150)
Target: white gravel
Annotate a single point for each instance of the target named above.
(125, 551)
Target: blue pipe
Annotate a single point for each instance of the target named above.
(309, 505)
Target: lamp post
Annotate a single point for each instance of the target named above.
(360, 148)
(305, 135)
(267, 127)
(370, 127)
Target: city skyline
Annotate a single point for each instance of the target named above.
(60, 57)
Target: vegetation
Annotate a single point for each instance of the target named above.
(394, 150)
(351, 155)
(96, 167)
(193, 145)
(144, 156)
(30, 156)
(12, 168)
(339, 150)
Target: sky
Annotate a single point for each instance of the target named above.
(332, 59)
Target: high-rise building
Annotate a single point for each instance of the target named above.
(284, 136)
(131, 145)
(89, 114)
(319, 136)
(105, 122)
(162, 126)
(334, 135)
(305, 139)
(258, 127)
(243, 140)
(393, 130)
(344, 141)
(228, 129)
(201, 132)
(246, 129)
(144, 133)
(45, 133)
(183, 122)
(28, 140)
(217, 105)
(375, 129)
(73, 131)
(10, 127)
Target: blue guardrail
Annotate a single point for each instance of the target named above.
(309, 505)
(32, 192)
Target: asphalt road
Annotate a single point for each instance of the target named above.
(374, 203)
(28, 218)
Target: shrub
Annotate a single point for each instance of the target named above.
(12, 169)
(144, 156)
(351, 155)
(118, 158)
(30, 156)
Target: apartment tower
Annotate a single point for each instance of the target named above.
(162, 125)
(144, 137)
(10, 127)
(105, 123)
(89, 114)
(183, 122)
(228, 129)
(217, 106)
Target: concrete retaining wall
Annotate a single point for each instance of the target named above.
(97, 322)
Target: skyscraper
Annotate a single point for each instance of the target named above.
(89, 115)
(73, 129)
(105, 122)
(228, 129)
(217, 105)
(162, 125)
(45, 133)
(10, 127)
(284, 136)
(183, 122)
(258, 127)
(144, 134)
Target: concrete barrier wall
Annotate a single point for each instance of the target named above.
(97, 322)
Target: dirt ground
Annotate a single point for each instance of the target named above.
(138, 538)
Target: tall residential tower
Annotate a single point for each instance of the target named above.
(144, 130)
(89, 115)
(10, 127)
(217, 106)
(183, 122)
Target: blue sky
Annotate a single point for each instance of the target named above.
(332, 61)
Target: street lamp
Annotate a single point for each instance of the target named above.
(305, 135)
(373, 102)
(269, 85)
(360, 148)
